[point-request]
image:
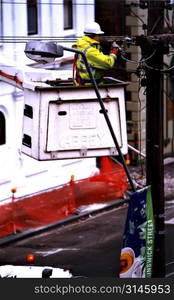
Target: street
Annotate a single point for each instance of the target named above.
(89, 247)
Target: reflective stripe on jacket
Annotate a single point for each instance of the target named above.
(96, 59)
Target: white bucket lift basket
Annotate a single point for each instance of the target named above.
(63, 122)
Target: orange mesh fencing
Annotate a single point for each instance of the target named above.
(57, 204)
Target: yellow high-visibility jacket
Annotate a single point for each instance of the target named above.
(97, 60)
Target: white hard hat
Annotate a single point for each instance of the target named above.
(93, 27)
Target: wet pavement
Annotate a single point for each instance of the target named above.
(138, 174)
(169, 179)
(90, 246)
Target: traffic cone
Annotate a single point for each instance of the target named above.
(127, 160)
(13, 191)
(106, 165)
(72, 197)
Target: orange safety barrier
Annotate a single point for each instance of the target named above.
(56, 204)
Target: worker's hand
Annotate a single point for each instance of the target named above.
(115, 45)
(115, 48)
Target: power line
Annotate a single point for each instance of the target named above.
(159, 70)
(132, 3)
(141, 61)
(45, 3)
(24, 40)
(21, 39)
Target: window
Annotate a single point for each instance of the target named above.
(68, 14)
(2, 129)
(32, 17)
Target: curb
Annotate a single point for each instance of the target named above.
(31, 232)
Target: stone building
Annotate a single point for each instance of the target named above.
(126, 18)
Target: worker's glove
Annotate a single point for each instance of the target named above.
(115, 49)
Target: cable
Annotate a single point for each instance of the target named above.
(4, 39)
(141, 60)
(168, 96)
(24, 41)
(139, 112)
(159, 70)
(168, 24)
(144, 25)
(35, 37)
(58, 3)
(154, 26)
(45, 3)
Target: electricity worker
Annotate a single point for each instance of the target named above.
(89, 44)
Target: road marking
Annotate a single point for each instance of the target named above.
(57, 250)
(169, 202)
(169, 274)
(169, 206)
(170, 221)
(170, 263)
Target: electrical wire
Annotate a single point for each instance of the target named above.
(40, 3)
(159, 70)
(24, 41)
(6, 39)
(138, 17)
(45, 3)
(55, 3)
(168, 24)
(60, 3)
(155, 24)
(141, 60)
(140, 125)
(168, 96)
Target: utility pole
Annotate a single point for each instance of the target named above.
(153, 47)
(154, 130)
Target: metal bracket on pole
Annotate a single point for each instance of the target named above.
(136, 151)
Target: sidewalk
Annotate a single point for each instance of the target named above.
(138, 174)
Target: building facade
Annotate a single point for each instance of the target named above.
(127, 18)
(136, 104)
(21, 21)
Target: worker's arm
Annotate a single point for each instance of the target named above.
(99, 60)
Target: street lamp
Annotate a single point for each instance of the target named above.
(44, 52)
